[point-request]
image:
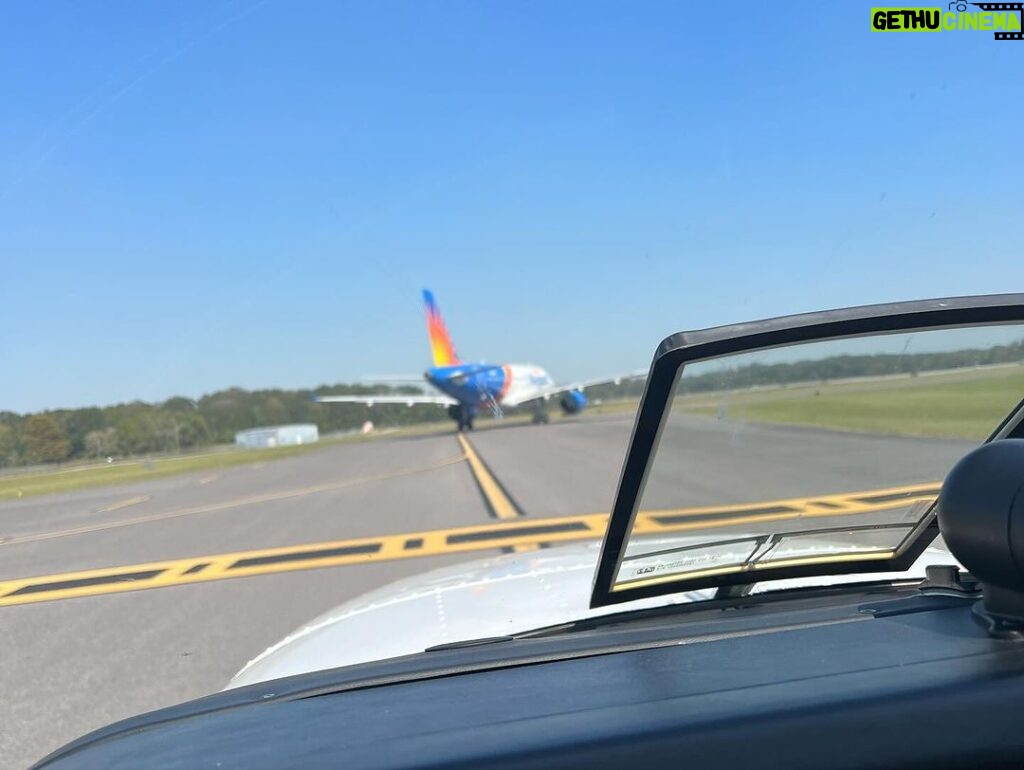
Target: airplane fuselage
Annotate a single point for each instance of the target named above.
(475, 385)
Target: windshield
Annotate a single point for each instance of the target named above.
(816, 453)
(324, 325)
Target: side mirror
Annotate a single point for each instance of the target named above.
(754, 454)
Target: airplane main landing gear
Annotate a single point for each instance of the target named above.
(463, 417)
(540, 418)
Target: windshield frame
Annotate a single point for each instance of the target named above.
(679, 350)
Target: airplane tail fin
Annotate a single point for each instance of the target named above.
(440, 342)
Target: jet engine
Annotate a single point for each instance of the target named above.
(573, 402)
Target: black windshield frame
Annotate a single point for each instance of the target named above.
(679, 350)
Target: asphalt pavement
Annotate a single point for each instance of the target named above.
(71, 665)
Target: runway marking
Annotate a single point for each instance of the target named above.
(123, 504)
(208, 479)
(498, 500)
(408, 545)
(807, 507)
(228, 504)
(500, 504)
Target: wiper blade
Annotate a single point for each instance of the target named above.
(867, 586)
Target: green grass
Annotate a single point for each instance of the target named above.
(615, 407)
(67, 479)
(962, 405)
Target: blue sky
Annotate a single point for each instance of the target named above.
(195, 195)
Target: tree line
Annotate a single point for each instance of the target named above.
(180, 423)
(847, 366)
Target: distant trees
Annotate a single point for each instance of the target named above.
(845, 366)
(77, 423)
(8, 446)
(144, 428)
(44, 441)
(180, 423)
(101, 443)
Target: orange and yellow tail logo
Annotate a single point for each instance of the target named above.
(441, 346)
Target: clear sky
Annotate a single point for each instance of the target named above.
(195, 195)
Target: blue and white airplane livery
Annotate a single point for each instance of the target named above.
(467, 388)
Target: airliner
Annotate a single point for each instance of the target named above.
(466, 389)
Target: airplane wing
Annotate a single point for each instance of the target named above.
(555, 390)
(398, 379)
(388, 399)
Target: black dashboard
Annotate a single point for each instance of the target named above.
(859, 677)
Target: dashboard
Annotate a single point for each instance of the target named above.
(878, 676)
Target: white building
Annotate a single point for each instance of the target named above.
(277, 435)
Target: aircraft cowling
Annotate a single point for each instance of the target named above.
(573, 402)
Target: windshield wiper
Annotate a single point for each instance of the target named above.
(732, 594)
(709, 605)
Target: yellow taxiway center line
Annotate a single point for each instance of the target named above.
(495, 496)
(483, 537)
